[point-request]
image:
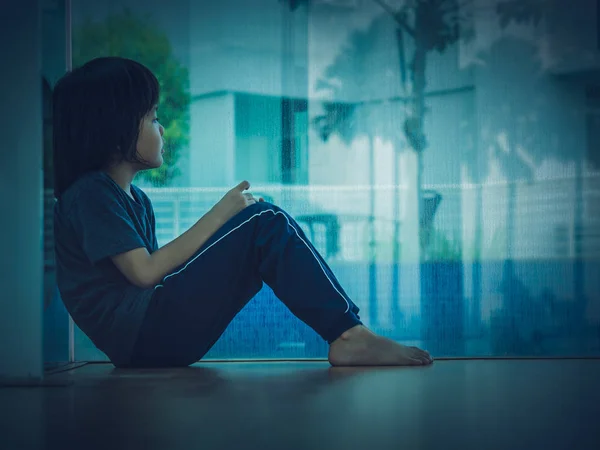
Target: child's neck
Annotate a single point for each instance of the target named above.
(123, 175)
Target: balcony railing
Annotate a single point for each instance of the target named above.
(544, 219)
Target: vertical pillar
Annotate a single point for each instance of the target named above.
(21, 268)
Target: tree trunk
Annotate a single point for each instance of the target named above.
(396, 244)
(476, 312)
(416, 121)
(579, 264)
(415, 135)
(373, 311)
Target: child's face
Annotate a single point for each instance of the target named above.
(150, 142)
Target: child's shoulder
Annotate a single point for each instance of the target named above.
(90, 185)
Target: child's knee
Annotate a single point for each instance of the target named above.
(264, 206)
(269, 212)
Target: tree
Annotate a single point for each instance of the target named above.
(137, 38)
(433, 26)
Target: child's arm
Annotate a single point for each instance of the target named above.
(147, 270)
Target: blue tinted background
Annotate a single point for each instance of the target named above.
(311, 106)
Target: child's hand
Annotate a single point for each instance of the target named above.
(233, 202)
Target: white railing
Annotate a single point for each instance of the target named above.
(529, 220)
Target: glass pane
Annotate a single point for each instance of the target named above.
(446, 173)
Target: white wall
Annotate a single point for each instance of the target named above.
(258, 139)
(237, 45)
(212, 140)
(21, 187)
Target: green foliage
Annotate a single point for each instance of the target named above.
(137, 37)
(520, 11)
(436, 24)
(294, 4)
(432, 26)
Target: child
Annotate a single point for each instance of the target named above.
(146, 306)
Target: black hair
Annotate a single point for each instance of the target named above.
(97, 112)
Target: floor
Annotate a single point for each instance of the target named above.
(454, 404)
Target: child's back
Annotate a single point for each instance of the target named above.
(94, 220)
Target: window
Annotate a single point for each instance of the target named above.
(322, 112)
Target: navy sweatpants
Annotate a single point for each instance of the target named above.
(193, 306)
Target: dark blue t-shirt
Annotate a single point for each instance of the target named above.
(94, 220)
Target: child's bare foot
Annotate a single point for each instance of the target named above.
(361, 347)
